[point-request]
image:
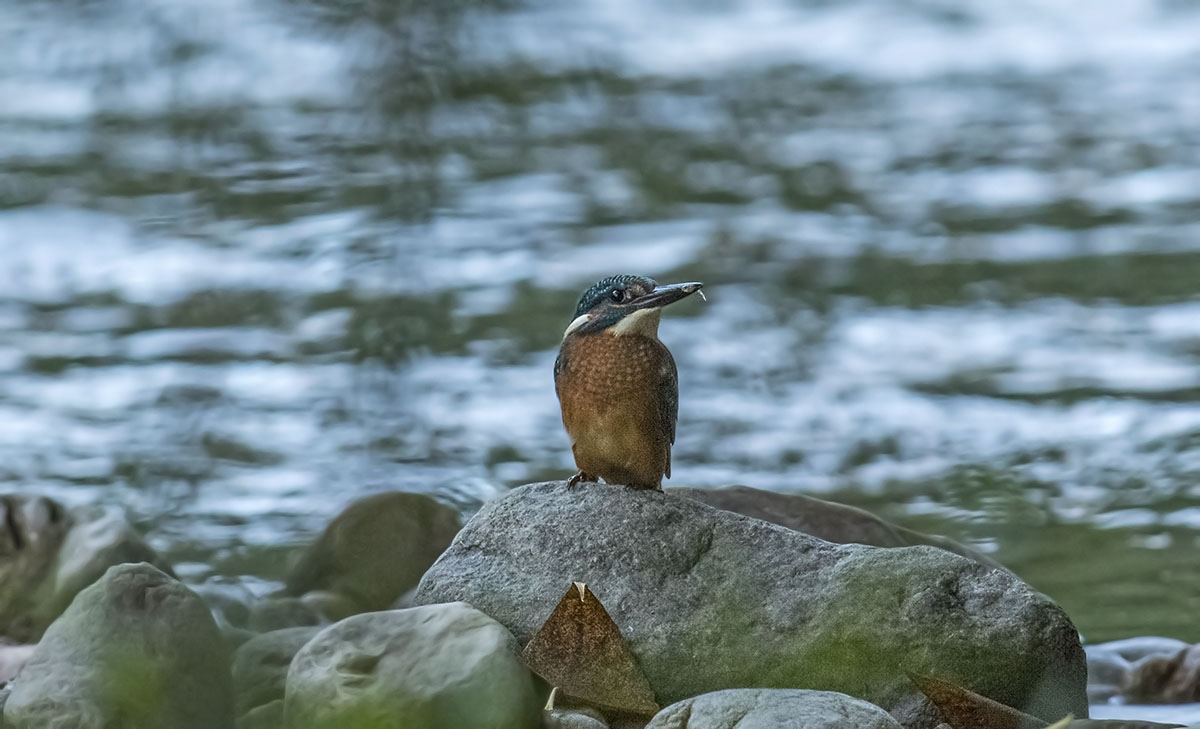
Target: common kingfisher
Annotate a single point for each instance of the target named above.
(617, 383)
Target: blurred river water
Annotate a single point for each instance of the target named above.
(259, 258)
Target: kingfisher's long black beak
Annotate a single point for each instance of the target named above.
(663, 295)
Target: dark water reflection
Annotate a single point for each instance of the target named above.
(260, 258)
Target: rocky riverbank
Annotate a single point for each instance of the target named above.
(719, 607)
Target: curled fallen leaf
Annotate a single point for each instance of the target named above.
(580, 651)
(964, 709)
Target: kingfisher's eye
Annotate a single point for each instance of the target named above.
(617, 295)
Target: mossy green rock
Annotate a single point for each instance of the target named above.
(376, 549)
(137, 650)
(430, 667)
(260, 666)
(711, 600)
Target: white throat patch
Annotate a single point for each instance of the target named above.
(642, 321)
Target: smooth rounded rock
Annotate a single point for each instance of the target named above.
(709, 600)
(260, 666)
(428, 667)
(376, 549)
(135, 650)
(772, 709)
(98, 538)
(568, 719)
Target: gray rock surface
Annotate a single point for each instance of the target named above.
(376, 549)
(828, 520)
(772, 709)
(568, 719)
(260, 666)
(135, 650)
(97, 539)
(743, 603)
(428, 667)
(48, 554)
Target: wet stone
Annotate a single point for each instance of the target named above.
(772, 709)
(376, 549)
(572, 719)
(428, 667)
(260, 666)
(136, 649)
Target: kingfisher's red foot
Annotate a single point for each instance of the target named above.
(580, 476)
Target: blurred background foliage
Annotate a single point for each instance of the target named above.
(258, 259)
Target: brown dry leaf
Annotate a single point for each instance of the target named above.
(581, 651)
(963, 709)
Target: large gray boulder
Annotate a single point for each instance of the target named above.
(376, 549)
(420, 668)
(710, 600)
(49, 553)
(826, 520)
(135, 650)
(772, 709)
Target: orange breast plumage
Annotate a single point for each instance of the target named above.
(619, 398)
